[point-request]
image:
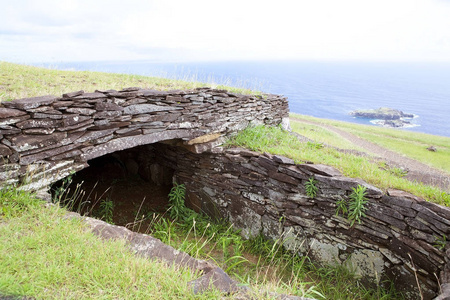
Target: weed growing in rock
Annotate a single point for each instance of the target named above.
(354, 208)
(341, 207)
(356, 205)
(311, 188)
(440, 242)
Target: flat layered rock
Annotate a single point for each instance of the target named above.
(27, 103)
(10, 112)
(90, 96)
(138, 109)
(321, 169)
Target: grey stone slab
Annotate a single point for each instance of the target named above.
(101, 106)
(71, 120)
(90, 96)
(135, 101)
(54, 114)
(73, 94)
(81, 111)
(38, 123)
(131, 94)
(293, 171)
(66, 155)
(8, 130)
(77, 127)
(243, 152)
(320, 169)
(442, 211)
(216, 279)
(13, 120)
(107, 114)
(5, 150)
(431, 215)
(132, 141)
(39, 131)
(82, 104)
(350, 183)
(92, 135)
(147, 108)
(27, 103)
(27, 142)
(10, 112)
(25, 160)
(131, 89)
(283, 160)
(110, 125)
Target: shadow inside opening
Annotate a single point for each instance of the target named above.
(127, 188)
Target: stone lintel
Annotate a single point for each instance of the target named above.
(133, 141)
(204, 139)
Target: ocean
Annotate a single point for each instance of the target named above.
(320, 89)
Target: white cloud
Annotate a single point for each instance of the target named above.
(235, 29)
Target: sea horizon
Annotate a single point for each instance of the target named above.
(329, 90)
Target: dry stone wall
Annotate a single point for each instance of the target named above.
(265, 194)
(44, 139)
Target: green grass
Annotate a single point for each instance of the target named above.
(21, 81)
(46, 256)
(412, 148)
(411, 144)
(275, 140)
(322, 135)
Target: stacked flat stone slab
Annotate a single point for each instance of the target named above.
(262, 193)
(43, 139)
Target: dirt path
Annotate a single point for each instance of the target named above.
(417, 171)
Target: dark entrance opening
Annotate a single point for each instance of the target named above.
(125, 188)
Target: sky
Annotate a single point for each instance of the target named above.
(206, 30)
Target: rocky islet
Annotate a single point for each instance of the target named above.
(385, 116)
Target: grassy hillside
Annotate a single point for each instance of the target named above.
(411, 144)
(21, 81)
